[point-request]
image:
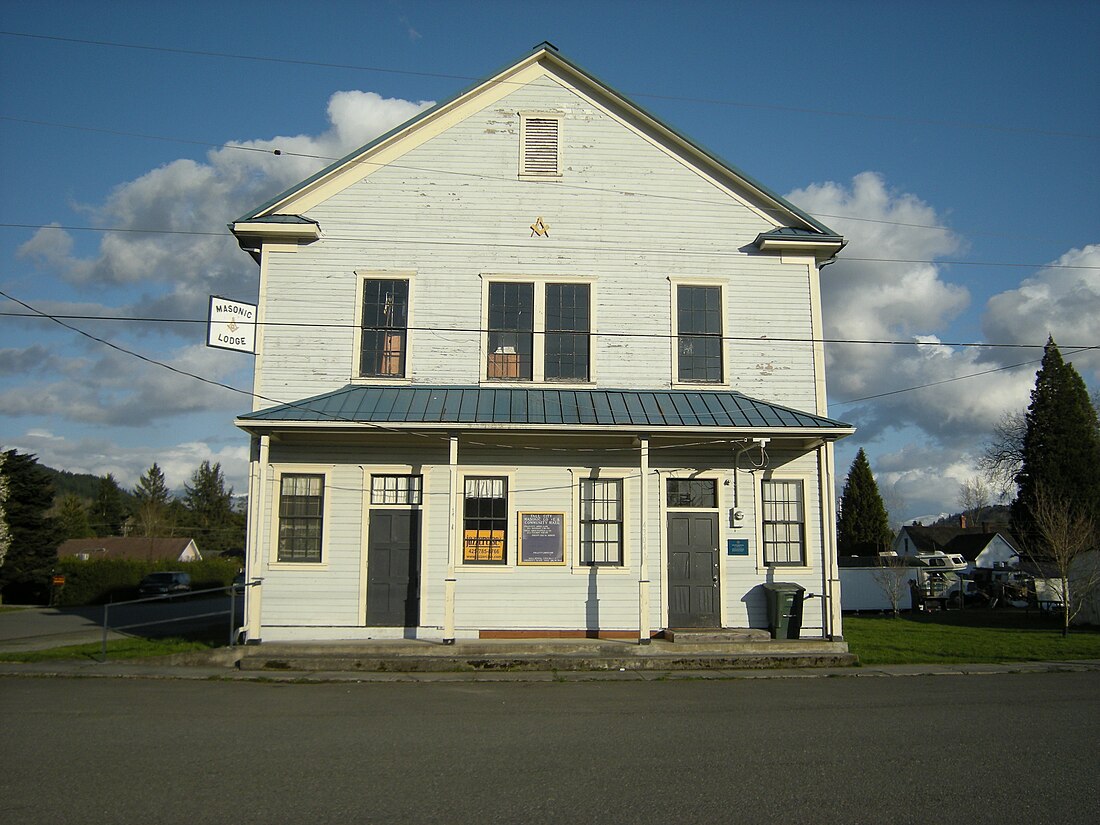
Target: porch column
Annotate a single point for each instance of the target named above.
(257, 495)
(643, 543)
(832, 607)
(452, 547)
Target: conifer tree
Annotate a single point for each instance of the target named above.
(32, 534)
(72, 518)
(1061, 446)
(863, 528)
(108, 510)
(210, 516)
(152, 509)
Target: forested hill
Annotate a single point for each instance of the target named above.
(81, 485)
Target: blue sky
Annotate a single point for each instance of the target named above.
(962, 139)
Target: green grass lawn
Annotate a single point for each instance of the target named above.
(135, 648)
(956, 637)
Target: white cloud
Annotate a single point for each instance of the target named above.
(1062, 302)
(100, 456)
(190, 196)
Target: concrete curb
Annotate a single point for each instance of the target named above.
(163, 670)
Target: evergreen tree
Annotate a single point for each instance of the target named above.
(72, 518)
(153, 508)
(210, 517)
(32, 535)
(108, 511)
(863, 528)
(1061, 446)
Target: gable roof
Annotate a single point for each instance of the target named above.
(503, 406)
(545, 59)
(955, 540)
(127, 547)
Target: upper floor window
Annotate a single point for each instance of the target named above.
(511, 331)
(540, 145)
(565, 356)
(538, 332)
(385, 321)
(699, 334)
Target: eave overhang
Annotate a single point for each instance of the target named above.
(790, 239)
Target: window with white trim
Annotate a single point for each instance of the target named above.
(539, 331)
(601, 521)
(699, 334)
(397, 489)
(540, 145)
(301, 517)
(485, 520)
(783, 522)
(384, 334)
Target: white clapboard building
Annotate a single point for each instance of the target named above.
(547, 367)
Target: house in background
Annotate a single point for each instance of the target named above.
(131, 547)
(982, 549)
(548, 368)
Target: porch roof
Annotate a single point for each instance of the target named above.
(542, 407)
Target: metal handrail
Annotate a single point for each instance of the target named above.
(231, 588)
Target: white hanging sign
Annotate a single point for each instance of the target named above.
(232, 325)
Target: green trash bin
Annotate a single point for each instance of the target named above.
(785, 609)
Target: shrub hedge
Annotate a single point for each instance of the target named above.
(112, 580)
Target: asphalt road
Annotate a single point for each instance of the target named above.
(970, 749)
(37, 628)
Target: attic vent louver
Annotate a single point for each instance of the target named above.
(541, 148)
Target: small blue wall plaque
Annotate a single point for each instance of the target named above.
(737, 547)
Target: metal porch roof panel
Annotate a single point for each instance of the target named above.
(584, 408)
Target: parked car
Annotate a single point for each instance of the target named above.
(164, 583)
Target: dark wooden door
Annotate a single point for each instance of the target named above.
(693, 570)
(393, 568)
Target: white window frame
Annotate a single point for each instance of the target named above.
(278, 471)
(459, 527)
(762, 559)
(524, 172)
(624, 477)
(722, 285)
(538, 354)
(362, 276)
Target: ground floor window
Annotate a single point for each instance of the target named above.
(485, 520)
(601, 521)
(301, 517)
(784, 522)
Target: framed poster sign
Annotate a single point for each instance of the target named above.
(542, 538)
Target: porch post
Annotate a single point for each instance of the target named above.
(832, 607)
(257, 500)
(452, 547)
(643, 556)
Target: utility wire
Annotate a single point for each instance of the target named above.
(770, 339)
(287, 153)
(605, 246)
(471, 78)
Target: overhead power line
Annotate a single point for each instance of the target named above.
(603, 246)
(889, 118)
(274, 150)
(770, 339)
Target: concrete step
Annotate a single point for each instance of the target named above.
(473, 657)
(696, 635)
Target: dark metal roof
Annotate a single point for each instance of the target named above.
(357, 404)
